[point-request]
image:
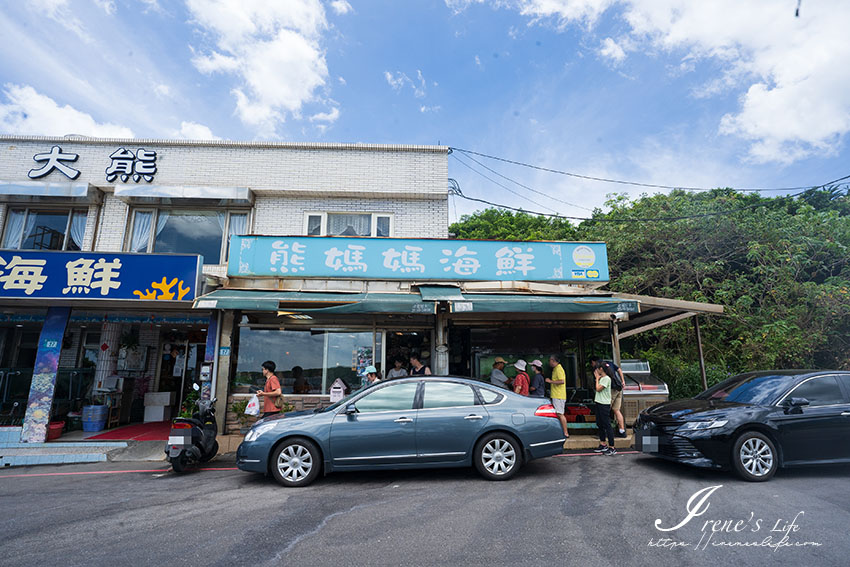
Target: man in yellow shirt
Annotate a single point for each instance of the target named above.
(558, 391)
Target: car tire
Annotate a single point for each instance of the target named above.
(497, 456)
(755, 457)
(296, 462)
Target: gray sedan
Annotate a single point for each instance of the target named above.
(421, 422)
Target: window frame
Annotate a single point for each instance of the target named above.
(476, 401)
(225, 235)
(69, 210)
(323, 226)
(417, 392)
(791, 392)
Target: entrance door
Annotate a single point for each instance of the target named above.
(180, 365)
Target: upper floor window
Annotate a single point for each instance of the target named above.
(185, 231)
(348, 224)
(45, 229)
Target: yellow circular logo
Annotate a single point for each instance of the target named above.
(584, 256)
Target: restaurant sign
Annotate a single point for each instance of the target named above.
(94, 275)
(416, 259)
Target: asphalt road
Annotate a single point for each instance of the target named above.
(575, 510)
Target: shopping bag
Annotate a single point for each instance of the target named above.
(253, 407)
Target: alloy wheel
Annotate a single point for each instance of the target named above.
(756, 456)
(498, 456)
(295, 463)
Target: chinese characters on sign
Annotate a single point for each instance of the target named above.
(393, 258)
(124, 165)
(86, 275)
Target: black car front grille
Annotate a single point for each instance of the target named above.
(677, 448)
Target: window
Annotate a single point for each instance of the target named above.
(348, 224)
(395, 397)
(447, 395)
(820, 391)
(489, 396)
(45, 229)
(186, 231)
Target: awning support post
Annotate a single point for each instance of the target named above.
(699, 349)
(441, 355)
(615, 342)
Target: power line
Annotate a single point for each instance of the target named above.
(505, 187)
(455, 190)
(618, 181)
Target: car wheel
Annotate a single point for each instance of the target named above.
(498, 456)
(296, 462)
(754, 457)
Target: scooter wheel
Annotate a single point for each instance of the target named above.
(178, 464)
(213, 452)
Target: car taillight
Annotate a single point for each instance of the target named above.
(180, 425)
(546, 410)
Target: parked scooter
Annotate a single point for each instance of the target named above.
(192, 440)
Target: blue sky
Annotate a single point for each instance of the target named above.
(674, 92)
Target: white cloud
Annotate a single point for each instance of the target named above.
(329, 117)
(478, 61)
(107, 6)
(396, 81)
(423, 109)
(273, 48)
(31, 113)
(612, 50)
(194, 131)
(162, 90)
(791, 73)
(400, 79)
(60, 12)
(341, 80)
(341, 7)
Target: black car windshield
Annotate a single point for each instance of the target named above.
(757, 389)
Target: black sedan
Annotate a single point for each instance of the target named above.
(754, 423)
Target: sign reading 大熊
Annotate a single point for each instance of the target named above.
(417, 259)
(94, 275)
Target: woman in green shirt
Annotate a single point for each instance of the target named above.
(603, 412)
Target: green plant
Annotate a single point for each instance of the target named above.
(239, 409)
(188, 407)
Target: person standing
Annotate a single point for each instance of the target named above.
(417, 368)
(602, 399)
(558, 383)
(300, 384)
(537, 387)
(521, 380)
(497, 375)
(616, 394)
(271, 390)
(397, 371)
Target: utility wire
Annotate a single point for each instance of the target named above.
(618, 181)
(505, 187)
(455, 190)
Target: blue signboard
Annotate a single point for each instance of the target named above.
(95, 275)
(416, 259)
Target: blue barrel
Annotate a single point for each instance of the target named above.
(94, 417)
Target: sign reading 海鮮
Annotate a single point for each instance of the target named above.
(95, 275)
(416, 259)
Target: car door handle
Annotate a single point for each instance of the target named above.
(404, 420)
(845, 413)
(473, 417)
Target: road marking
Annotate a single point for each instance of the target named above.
(111, 472)
(595, 454)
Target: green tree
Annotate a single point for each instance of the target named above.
(498, 224)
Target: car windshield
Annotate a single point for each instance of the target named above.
(342, 401)
(758, 389)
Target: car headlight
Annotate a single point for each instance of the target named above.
(258, 430)
(699, 425)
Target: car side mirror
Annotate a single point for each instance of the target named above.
(350, 409)
(795, 405)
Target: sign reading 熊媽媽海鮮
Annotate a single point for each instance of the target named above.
(416, 259)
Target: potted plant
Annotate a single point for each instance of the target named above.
(239, 409)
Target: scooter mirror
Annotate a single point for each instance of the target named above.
(195, 386)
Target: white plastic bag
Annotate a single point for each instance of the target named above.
(253, 407)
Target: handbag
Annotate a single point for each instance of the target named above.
(279, 402)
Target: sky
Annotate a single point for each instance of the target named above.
(722, 93)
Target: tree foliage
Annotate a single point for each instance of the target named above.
(779, 266)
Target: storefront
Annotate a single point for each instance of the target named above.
(324, 308)
(82, 328)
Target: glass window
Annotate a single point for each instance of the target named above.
(447, 395)
(820, 391)
(34, 229)
(845, 379)
(750, 388)
(190, 232)
(489, 396)
(395, 397)
(383, 228)
(344, 224)
(314, 225)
